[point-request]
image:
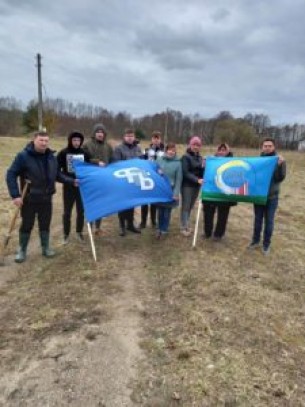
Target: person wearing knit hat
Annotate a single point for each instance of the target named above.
(101, 153)
(192, 169)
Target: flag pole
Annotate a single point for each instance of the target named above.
(91, 241)
(197, 223)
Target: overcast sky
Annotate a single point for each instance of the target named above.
(140, 56)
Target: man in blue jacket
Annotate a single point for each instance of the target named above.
(37, 165)
(266, 212)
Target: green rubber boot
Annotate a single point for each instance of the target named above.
(45, 245)
(23, 244)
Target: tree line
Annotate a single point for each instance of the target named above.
(61, 116)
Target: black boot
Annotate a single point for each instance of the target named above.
(133, 229)
(23, 244)
(45, 245)
(130, 225)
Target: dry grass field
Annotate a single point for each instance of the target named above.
(220, 325)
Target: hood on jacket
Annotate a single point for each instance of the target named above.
(99, 126)
(75, 134)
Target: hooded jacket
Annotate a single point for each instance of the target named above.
(66, 155)
(41, 169)
(98, 150)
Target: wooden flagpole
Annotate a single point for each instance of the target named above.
(197, 223)
(91, 241)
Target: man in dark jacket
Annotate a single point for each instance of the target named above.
(71, 194)
(127, 150)
(155, 150)
(38, 165)
(100, 152)
(266, 212)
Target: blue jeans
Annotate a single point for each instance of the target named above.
(266, 213)
(164, 217)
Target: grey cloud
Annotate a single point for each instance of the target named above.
(140, 57)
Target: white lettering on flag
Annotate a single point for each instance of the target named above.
(136, 176)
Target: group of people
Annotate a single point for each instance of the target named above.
(38, 167)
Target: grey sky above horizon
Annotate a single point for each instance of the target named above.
(196, 56)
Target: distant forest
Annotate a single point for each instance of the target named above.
(61, 116)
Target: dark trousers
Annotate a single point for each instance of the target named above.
(29, 211)
(209, 210)
(153, 214)
(266, 213)
(72, 195)
(126, 216)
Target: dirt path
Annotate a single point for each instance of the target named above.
(93, 366)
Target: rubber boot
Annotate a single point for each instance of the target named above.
(23, 244)
(45, 245)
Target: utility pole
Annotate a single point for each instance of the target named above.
(40, 127)
(166, 126)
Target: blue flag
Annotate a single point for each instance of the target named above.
(119, 186)
(238, 179)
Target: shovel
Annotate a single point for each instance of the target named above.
(7, 238)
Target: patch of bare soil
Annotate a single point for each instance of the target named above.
(69, 328)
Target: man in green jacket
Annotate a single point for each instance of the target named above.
(101, 153)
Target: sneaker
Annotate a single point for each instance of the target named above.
(253, 245)
(186, 232)
(65, 240)
(217, 238)
(265, 250)
(80, 237)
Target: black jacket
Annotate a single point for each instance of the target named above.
(66, 155)
(191, 168)
(279, 175)
(40, 169)
(152, 152)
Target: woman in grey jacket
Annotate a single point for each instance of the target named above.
(170, 166)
